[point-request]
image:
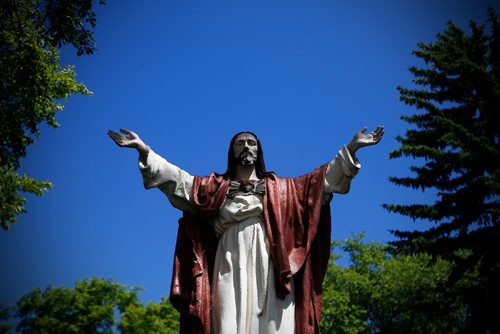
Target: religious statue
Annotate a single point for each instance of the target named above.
(252, 248)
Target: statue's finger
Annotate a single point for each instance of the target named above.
(114, 136)
(379, 134)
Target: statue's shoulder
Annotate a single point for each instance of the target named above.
(212, 181)
(318, 173)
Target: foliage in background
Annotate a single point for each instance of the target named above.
(34, 83)
(5, 314)
(93, 306)
(380, 293)
(455, 139)
(153, 318)
(376, 292)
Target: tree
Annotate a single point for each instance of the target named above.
(153, 318)
(34, 83)
(93, 306)
(87, 308)
(382, 293)
(5, 314)
(455, 140)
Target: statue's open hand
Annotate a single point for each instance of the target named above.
(128, 139)
(361, 139)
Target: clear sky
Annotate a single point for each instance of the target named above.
(186, 76)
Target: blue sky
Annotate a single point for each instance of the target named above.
(186, 76)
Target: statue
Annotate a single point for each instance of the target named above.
(252, 248)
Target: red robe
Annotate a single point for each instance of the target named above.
(298, 230)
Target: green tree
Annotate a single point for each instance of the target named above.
(382, 293)
(153, 318)
(93, 306)
(5, 314)
(455, 140)
(34, 83)
(89, 307)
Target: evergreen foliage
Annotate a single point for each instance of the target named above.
(33, 83)
(455, 136)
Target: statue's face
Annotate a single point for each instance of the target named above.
(245, 149)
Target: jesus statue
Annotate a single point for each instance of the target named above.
(252, 247)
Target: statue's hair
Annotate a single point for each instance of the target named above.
(232, 162)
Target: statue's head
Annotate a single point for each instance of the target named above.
(245, 150)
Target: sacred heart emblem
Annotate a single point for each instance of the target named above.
(246, 185)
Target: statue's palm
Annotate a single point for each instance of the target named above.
(361, 139)
(128, 139)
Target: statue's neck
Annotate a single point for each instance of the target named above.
(246, 173)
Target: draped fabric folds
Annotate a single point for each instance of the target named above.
(298, 230)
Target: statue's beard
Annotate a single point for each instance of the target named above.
(246, 159)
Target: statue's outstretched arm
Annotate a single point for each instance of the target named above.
(132, 140)
(157, 172)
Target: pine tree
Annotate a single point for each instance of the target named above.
(455, 136)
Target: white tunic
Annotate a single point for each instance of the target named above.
(243, 289)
